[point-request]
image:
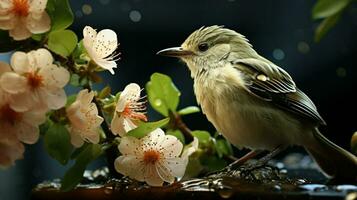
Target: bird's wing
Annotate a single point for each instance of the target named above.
(271, 83)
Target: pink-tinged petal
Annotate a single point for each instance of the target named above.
(105, 43)
(76, 139)
(27, 133)
(20, 32)
(105, 64)
(4, 67)
(54, 76)
(38, 25)
(130, 93)
(20, 62)
(129, 166)
(177, 166)
(55, 98)
(151, 176)
(5, 4)
(172, 147)
(41, 58)
(165, 173)
(37, 6)
(10, 151)
(130, 146)
(13, 83)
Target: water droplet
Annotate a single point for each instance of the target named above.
(225, 193)
(341, 72)
(314, 187)
(303, 47)
(158, 102)
(278, 54)
(87, 9)
(351, 196)
(135, 16)
(277, 187)
(108, 190)
(346, 187)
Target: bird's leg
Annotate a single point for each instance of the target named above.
(262, 161)
(243, 159)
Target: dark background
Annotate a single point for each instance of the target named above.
(280, 30)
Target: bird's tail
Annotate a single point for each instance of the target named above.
(332, 159)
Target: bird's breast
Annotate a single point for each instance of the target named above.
(243, 119)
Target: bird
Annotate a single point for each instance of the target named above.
(254, 103)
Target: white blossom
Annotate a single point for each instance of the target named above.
(101, 46)
(84, 119)
(24, 17)
(129, 110)
(154, 158)
(10, 151)
(35, 81)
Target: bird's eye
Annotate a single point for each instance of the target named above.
(203, 47)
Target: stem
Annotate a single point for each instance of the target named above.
(176, 122)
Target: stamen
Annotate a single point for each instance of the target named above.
(34, 80)
(20, 7)
(151, 156)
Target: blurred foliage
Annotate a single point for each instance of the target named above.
(330, 12)
(354, 143)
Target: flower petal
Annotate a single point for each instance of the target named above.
(10, 151)
(171, 146)
(165, 173)
(19, 32)
(34, 117)
(151, 176)
(41, 58)
(4, 67)
(89, 35)
(129, 166)
(92, 136)
(106, 64)
(76, 139)
(37, 6)
(54, 76)
(105, 43)
(6, 22)
(38, 25)
(13, 83)
(154, 138)
(21, 104)
(130, 146)
(85, 97)
(27, 133)
(130, 93)
(177, 166)
(55, 98)
(20, 62)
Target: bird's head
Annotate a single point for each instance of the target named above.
(208, 46)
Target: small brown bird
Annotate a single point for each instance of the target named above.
(254, 103)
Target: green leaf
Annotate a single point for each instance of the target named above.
(57, 143)
(178, 134)
(143, 129)
(75, 174)
(71, 99)
(223, 148)
(354, 143)
(213, 163)
(189, 110)
(105, 92)
(62, 42)
(162, 94)
(325, 26)
(203, 136)
(328, 8)
(60, 13)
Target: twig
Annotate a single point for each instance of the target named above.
(177, 123)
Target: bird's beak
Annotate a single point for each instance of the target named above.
(175, 52)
